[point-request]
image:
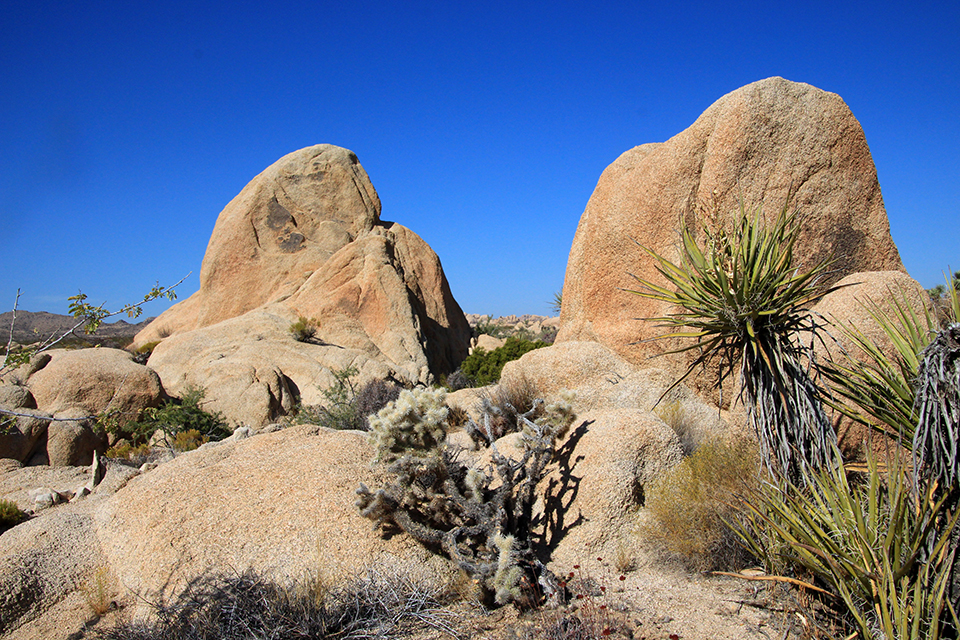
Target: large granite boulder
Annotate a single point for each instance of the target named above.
(305, 238)
(759, 143)
(93, 380)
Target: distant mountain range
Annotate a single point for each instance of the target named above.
(34, 326)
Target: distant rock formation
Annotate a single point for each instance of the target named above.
(759, 144)
(304, 238)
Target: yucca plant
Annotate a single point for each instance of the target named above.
(878, 548)
(937, 405)
(745, 303)
(878, 389)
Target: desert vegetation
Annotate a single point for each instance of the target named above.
(481, 520)
(346, 404)
(482, 368)
(880, 548)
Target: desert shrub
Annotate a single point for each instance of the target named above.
(143, 352)
(746, 304)
(675, 416)
(189, 440)
(304, 329)
(10, 514)
(508, 401)
(485, 367)
(346, 406)
(480, 519)
(688, 506)
(872, 543)
(374, 396)
(249, 605)
(175, 416)
(458, 380)
(98, 591)
(127, 452)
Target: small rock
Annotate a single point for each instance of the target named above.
(241, 432)
(81, 492)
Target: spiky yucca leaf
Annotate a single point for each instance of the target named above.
(879, 387)
(744, 303)
(879, 548)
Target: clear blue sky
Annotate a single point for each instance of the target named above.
(125, 127)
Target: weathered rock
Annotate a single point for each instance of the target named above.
(601, 381)
(603, 466)
(305, 238)
(23, 435)
(758, 143)
(158, 532)
(94, 380)
(271, 237)
(253, 369)
(71, 440)
(15, 396)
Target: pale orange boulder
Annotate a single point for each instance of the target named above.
(759, 143)
(93, 380)
(304, 238)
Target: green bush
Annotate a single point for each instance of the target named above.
(10, 514)
(176, 416)
(304, 329)
(484, 367)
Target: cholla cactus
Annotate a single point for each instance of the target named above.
(416, 421)
(453, 510)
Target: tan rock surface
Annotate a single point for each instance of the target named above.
(94, 380)
(253, 370)
(756, 143)
(601, 380)
(269, 239)
(282, 503)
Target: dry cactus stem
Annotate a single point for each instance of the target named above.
(479, 518)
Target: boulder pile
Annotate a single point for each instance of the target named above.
(304, 239)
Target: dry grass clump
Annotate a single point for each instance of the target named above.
(381, 604)
(675, 416)
(688, 504)
(510, 399)
(99, 590)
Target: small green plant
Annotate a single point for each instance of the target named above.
(304, 329)
(485, 367)
(687, 507)
(557, 303)
(745, 303)
(10, 514)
